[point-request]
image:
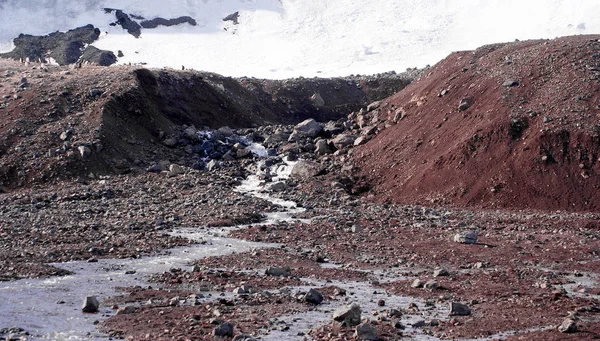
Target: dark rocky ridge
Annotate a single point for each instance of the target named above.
(64, 47)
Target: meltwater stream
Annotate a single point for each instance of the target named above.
(50, 309)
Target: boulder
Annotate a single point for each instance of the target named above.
(317, 100)
(84, 151)
(459, 309)
(344, 140)
(308, 128)
(469, 237)
(278, 272)
(90, 305)
(568, 326)
(99, 57)
(322, 148)
(366, 331)
(348, 315)
(307, 169)
(224, 330)
(313, 297)
(275, 186)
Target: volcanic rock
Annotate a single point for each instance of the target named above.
(306, 169)
(313, 297)
(459, 309)
(568, 326)
(224, 330)
(308, 128)
(90, 305)
(278, 271)
(348, 315)
(366, 331)
(469, 237)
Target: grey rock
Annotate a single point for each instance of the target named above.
(399, 115)
(98, 57)
(361, 140)
(468, 237)
(90, 305)
(322, 148)
(431, 285)
(275, 186)
(65, 135)
(373, 106)
(465, 103)
(84, 151)
(224, 330)
(170, 142)
(510, 83)
(348, 315)
(126, 310)
(366, 331)
(459, 309)
(278, 271)
(440, 273)
(306, 169)
(212, 165)
(243, 290)
(568, 326)
(308, 128)
(317, 100)
(416, 283)
(313, 297)
(344, 140)
(175, 169)
(419, 324)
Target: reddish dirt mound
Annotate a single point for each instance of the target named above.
(529, 138)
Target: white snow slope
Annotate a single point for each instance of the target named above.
(287, 38)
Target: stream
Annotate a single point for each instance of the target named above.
(50, 309)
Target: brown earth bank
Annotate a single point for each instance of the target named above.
(65, 122)
(511, 125)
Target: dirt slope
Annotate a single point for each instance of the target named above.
(527, 135)
(66, 122)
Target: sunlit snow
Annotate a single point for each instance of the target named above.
(284, 38)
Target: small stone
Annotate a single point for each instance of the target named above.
(395, 313)
(90, 305)
(313, 297)
(416, 283)
(84, 151)
(243, 290)
(465, 103)
(510, 83)
(366, 331)
(381, 303)
(278, 272)
(275, 186)
(440, 273)
(317, 100)
(568, 326)
(224, 330)
(175, 169)
(348, 315)
(126, 310)
(459, 309)
(308, 128)
(419, 324)
(431, 285)
(469, 237)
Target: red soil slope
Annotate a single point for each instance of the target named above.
(530, 138)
